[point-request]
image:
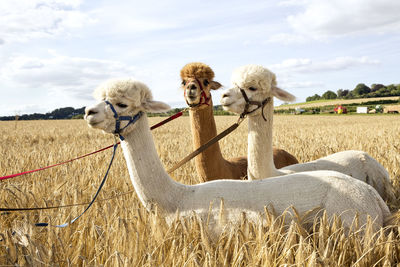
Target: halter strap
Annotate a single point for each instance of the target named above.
(118, 119)
(252, 102)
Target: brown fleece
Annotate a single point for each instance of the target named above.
(197, 70)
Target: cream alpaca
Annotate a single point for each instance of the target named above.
(259, 83)
(197, 82)
(333, 191)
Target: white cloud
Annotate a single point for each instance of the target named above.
(341, 17)
(300, 75)
(287, 38)
(296, 83)
(301, 84)
(321, 20)
(293, 63)
(62, 75)
(292, 2)
(24, 109)
(23, 20)
(178, 21)
(58, 81)
(306, 65)
(131, 19)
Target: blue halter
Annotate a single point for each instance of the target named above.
(118, 119)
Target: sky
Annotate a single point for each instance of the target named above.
(53, 53)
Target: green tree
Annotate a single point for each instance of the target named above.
(361, 90)
(384, 91)
(376, 87)
(329, 95)
(314, 97)
(349, 95)
(341, 93)
(393, 90)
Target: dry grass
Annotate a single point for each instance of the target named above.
(120, 232)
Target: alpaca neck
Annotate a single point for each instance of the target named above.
(151, 182)
(260, 154)
(203, 129)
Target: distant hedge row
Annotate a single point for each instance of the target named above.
(361, 91)
(351, 108)
(57, 114)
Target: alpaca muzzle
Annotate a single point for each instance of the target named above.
(91, 116)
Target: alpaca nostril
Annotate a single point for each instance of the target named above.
(91, 112)
(193, 87)
(225, 95)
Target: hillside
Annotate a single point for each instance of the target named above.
(322, 103)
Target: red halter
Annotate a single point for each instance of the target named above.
(204, 100)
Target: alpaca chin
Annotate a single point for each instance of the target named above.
(93, 122)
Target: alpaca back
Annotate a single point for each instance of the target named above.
(357, 164)
(334, 192)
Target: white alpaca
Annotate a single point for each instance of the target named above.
(333, 191)
(259, 84)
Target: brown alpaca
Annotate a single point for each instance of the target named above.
(197, 82)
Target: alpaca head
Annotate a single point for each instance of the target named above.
(258, 84)
(197, 81)
(128, 97)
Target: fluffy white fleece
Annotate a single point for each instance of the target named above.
(260, 83)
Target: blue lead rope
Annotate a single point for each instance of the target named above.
(91, 202)
(117, 131)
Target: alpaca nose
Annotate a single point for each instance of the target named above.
(225, 95)
(193, 87)
(90, 111)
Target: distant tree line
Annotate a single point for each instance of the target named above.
(361, 91)
(57, 114)
(72, 113)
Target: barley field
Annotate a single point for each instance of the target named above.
(120, 232)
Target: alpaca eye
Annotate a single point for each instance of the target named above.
(252, 89)
(121, 105)
(184, 82)
(206, 82)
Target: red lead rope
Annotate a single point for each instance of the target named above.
(51, 166)
(177, 115)
(173, 117)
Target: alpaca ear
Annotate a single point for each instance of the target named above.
(155, 106)
(215, 85)
(282, 94)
